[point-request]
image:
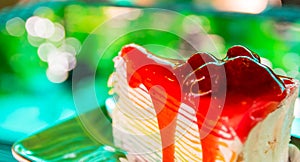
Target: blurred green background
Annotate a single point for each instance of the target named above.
(41, 44)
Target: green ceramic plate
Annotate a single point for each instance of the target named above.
(70, 141)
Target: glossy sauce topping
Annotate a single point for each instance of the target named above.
(235, 92)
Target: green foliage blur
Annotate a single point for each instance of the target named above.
(273, 34)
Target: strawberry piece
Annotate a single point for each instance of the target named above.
(236, 51)
(248, 77)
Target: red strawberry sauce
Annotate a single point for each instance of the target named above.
(236, 92)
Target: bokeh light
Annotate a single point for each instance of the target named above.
(45, 12)
(59, 33)
(35, 41)
(15, 26)
(58, 63)
(291, 61)
(266, 62)
(54, 47)
(56, 76)
(45, 50)
(68, 48)
(279, 71)
(245, 6)
(40, 27)
(74, 43)
(44, 28)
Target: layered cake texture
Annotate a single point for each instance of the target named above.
(201, 109)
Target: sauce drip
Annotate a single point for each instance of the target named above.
(164, 90)
(251, 92)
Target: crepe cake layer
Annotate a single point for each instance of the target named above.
(135, 128)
